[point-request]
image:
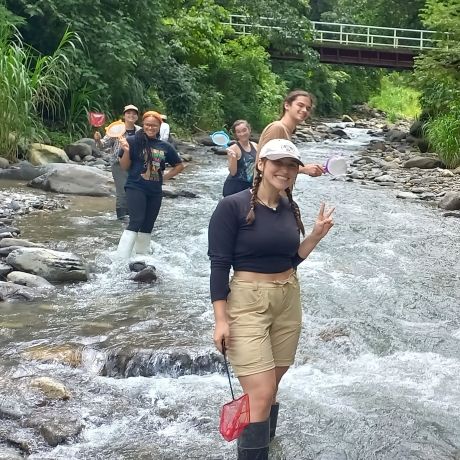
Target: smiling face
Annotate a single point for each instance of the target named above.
(242, 132)
(279, 174)
(151, 126)
(299, 109)
(131, 116)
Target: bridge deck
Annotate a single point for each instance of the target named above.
(355, 44)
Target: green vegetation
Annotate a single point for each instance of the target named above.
(179, 57)
(397, 99)
(438, 74)
(443, 133)
(31, 88)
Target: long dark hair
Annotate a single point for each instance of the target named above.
(251, 217)
(293, 95)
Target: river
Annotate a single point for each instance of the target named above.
(377, 373)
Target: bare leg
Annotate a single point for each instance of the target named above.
(261, 389)
(279, 372)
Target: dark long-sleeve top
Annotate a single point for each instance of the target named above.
(269, 245)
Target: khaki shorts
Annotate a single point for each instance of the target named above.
(265, 320)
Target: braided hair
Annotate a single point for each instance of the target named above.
(257, 180)
(296, 210)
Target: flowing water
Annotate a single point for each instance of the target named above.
(377, 373)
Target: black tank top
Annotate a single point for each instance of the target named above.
(245, 165)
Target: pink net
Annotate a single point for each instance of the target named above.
(234, 418)
(96, 119)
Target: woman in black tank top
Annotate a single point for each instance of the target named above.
(241, 158)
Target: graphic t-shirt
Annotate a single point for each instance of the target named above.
(148, 161)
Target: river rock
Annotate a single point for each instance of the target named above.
(23, 171)
(5, 269)
(6, 251)
(51, 265)
(407, 195)
(29, 280)
(9, 291)
(171, 192)
(146, 275)
(42, 154)
(4, 163)
(8, 229)
(75, 180)
(51, 388)
(422, 163)
(58, 431)
(78, 149)
(385, 178)
(186, 157)
(17, 242)
(68, 354)
(450, 201)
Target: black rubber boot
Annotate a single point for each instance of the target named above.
(273, 419)
(121, 213)
(254, 440)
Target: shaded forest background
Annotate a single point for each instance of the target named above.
(71, 56)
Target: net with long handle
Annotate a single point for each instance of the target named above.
(235, 415)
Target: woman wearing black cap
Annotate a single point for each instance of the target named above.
(130, 116)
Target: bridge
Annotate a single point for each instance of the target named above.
(353, 44)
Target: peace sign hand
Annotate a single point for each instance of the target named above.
(323, 223)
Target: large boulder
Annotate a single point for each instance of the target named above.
(22, 171)
(78, 149)
(92, 143)
(49, 264)
(4, 163)
(17, 292)
(42, 154)
(29, 280)
(75, 180)
(450, 201)
(423, 163)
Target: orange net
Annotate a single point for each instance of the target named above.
(234, 418)
(235, 415)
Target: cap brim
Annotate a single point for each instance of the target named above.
(278, 156)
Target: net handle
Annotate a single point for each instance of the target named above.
(226, 368)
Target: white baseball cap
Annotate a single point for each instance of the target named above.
(276, 149)
(130, 107)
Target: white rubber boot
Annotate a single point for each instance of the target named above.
(126, 244)
(142, 246)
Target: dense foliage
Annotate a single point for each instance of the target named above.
(185, 58)
(32, 88)
(438, 74)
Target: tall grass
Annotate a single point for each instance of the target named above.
(443, 133)
(397, 99)
(31, 86)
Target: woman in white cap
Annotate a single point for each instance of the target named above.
(130, 116)
(258, 313)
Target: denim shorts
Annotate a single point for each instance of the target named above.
(265, 318)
